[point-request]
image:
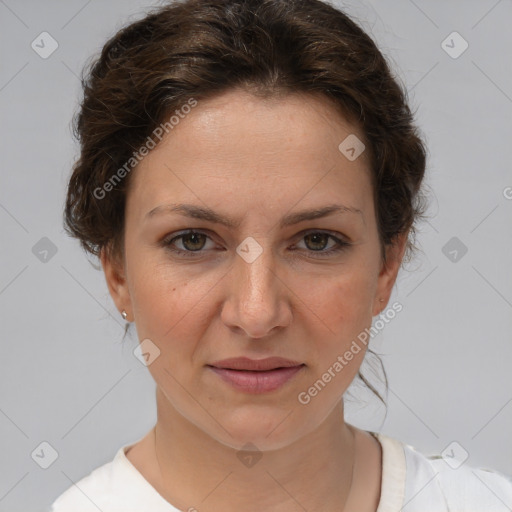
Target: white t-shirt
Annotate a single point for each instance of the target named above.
(411, 482)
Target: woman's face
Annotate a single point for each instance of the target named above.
(260, 287)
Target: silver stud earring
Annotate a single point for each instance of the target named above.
(124, 314)
(382, 300)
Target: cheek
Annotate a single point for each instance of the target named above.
(167, 309)
(345, 307)
(161, 295)
(345, 301)
(173, 306)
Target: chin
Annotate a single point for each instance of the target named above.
(266, 428)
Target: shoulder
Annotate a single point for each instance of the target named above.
(449, 484)
(92, 493)
(116, 486)
(465, 486)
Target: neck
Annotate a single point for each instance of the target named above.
(197, 471)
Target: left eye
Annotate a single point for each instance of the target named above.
(194, 241)
(318, 241)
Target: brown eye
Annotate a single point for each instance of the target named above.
(317, 241)
(193, 241)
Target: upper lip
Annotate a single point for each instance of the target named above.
(244, 363)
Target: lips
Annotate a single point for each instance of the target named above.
(256, 376)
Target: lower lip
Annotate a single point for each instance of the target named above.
(257, 382)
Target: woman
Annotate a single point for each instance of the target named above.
(250, 176)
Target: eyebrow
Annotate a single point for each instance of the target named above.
(205, 213)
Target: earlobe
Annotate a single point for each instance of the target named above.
(116, 281)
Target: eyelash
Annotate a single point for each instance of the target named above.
(340, 244)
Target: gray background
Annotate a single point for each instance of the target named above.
(67, 379)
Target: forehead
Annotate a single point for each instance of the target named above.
(273, 150)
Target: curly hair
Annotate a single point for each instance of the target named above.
(196, 49)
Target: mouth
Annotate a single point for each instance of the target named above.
(259, 380)
(245, 363)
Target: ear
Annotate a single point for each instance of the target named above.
(115, 277)
(389, 271)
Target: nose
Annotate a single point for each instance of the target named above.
(258, 300)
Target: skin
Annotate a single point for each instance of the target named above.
(255, 161)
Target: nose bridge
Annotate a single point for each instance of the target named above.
(255, 269)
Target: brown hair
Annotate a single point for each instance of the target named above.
(201, 48)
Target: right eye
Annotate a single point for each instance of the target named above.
(192, 241)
